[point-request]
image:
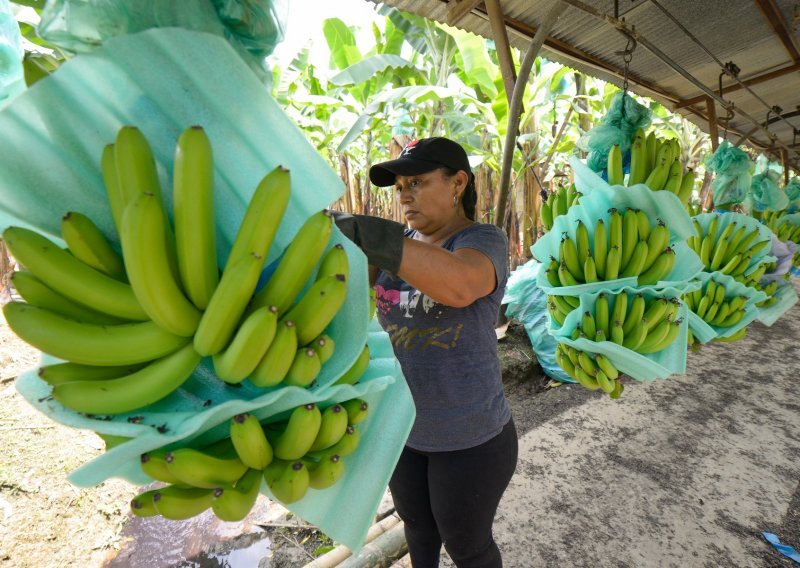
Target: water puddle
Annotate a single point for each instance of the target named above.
(268, 538)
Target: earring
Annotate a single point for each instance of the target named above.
(455, 201)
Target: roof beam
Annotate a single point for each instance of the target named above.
(457, 9)
(500, 35)
(773, 15)
(795, 67)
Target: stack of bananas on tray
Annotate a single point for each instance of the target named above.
(782, 225)
(132, 328)
(627, 319)
(717, 307)
(629, 247)
(655, 162)
(558, 203)
(729, 250)
(305, 451)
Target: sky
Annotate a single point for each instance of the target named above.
(304, 24)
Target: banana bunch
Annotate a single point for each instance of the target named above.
(558, 203)
(305, 451)
(655, 162)
(715, 306)
(729, 250)
(592, 370)
(630, 320)
(783, 228)
(560, 307)
(138, 323)
(627, 246)
(769, 289)
(694, 208)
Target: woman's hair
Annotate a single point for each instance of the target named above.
(470, 196)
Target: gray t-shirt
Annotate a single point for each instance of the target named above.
(449, 355)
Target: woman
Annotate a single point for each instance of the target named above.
(438, 285)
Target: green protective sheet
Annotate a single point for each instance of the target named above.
(598, 198)
(785, 297)
(669, 361)
(726, 218)
(164, 80)
(705, 332)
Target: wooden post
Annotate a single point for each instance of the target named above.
(785, 161)
(500, 35)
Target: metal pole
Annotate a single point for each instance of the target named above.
(516, 106)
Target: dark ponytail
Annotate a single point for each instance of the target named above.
(469, 199)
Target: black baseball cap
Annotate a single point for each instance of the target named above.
(420, 157)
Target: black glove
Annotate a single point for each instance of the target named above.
(380, 239)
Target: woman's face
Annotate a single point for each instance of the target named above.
(427, 199)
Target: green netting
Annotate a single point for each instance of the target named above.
(732, 168)
(618, 126)
(792, 191)
(641, 367)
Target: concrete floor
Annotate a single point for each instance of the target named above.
(684, 472)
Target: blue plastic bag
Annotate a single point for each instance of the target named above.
(527, 303)
(732, 167)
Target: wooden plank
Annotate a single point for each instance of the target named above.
(772, 13)
(713, 131)
(738, 86)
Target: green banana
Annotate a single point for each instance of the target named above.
(304, 368)
(570, 257)
(326, 473)
(615, 229)
(250, 442)
(177, 503)
(90, 344)
(590, 269)
(655, 180)
(261, 219)
(673, 328)
(137, 390)
(197, 468)
(334, 262)
(660, 269)
(87, 243)
(635, 313)
(70, 277)
(108, 169)
(344, 447)
(687, 187)
(587, 363)
(630, 237)
(600, 248)
(735, 336)
(639, 165)
(332, 427)
(604, 382)
(229, 301)
(617, 335)
(657, 241)
(352, 375)
(193, 215)
(642, 225)
(612, 263)
(651, 146)
(301, 431)
(620, 308)
(37, 293)
(636, 261)
(674, 177)
(233, 503)
(324, 345)
(145, 252)
(637, 335)
(588, 324)
(551, 272)
(288, 481)
(58, 373)
(154, 464)
(565, 276)
(655, 312)
(719, 252)
(275, 363)
(602, 314)
(297, 263)
(655, 336)
(357, 410)
(546, 215)
(615, 174)
(248, 346)
(582, 242)
(605, 365)
(318, 306)
(142, 505)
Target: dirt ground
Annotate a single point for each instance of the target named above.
(46, 522)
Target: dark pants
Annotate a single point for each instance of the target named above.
(451, 498)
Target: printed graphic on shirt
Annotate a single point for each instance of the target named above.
(407, 302)
(439, 337)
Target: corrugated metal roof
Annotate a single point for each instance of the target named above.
(758, 36)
